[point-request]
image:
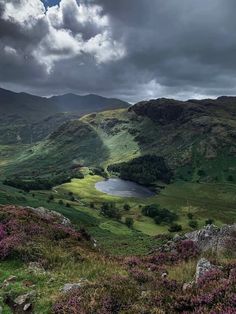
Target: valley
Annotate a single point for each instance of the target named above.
(179, 159)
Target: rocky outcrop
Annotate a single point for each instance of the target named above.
(44, 212)
(165, 111)
(212, 238)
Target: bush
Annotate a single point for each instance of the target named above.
(175, 228)
(193, 224)
(127, 207)
(160, 215)
(209, 221)
(109, 210)
(190, 216)
(129, 222)
(230, 178)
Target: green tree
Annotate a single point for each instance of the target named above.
(193, 224)
(129, 222)
(175, 228)
(127, 207)
(209, 221)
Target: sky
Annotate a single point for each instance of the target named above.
(129, 49)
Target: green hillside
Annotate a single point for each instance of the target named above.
(195, 141)
(198, 144)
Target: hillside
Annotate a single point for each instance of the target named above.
(195, 138)
(28, 119)
(86, 104)
(50, 266)
(191, 144)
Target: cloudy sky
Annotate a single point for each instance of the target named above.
(131, 49)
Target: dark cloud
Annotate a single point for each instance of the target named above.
(130, 49)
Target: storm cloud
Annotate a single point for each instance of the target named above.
(136, 49)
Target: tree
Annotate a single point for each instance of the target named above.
(209, 221)
(190, 216)
(60, 202)
(230, 178)
(175, 228)
(193, 224)
(127, 207)
(129, 222)
(51, 197)
(109, 210)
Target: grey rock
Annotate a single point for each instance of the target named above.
(203, 266)
(71, 286)
(27, 306)
(44, 212)
(164, 275)
(11, 278)
(212, 238)
(22, 299)
(36, 268)
(188, 286)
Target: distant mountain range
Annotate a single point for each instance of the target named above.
(26, 118)
(35, 108)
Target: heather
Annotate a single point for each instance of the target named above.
(22, 228)
(152, 284)
(144, 290)
(42, 253)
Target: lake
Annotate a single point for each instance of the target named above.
(119, 187)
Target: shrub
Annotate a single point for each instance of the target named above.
(209, 221)
(230, 178)
(129, 222)
(193, 224)
(190, 216)
(175, 228)
(127, 207)
(187, 249)
(160, 215)
(109, 210)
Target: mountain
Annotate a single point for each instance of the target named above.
(86, 104)
(26, 118)
(34, 108)
(24, 105)
(196, 138)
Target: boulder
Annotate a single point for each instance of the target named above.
(71, 286)
(36, 268)
(27, 306)
(203, 266)
(22, 299)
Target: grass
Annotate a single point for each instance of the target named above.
(48, 285)
(204, 200)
